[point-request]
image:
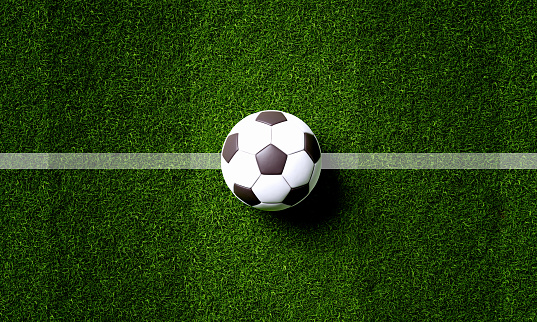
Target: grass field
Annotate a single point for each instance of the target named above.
(175, 76)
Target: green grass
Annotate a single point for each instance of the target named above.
(175, 76)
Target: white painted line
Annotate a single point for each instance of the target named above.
(212, 161)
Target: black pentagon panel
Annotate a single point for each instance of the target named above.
(271, 160)
(230, 147)
(296, 194)
(246, 195)
(311, 146)
(271, 117)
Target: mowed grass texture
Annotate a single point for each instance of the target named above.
(175, 76)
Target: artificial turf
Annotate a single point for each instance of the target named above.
(175, 76)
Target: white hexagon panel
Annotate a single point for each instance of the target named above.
(288, 137)
(271, 189)
(254, 136)
(298, 169)
(271, 160)
(245, 170)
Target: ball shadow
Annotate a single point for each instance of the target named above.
(318, 207)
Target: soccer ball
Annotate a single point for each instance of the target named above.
(271, 160)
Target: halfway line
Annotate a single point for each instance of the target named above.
(212, 161)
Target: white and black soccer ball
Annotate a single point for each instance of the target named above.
(271, 160)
